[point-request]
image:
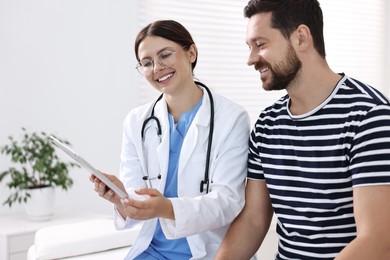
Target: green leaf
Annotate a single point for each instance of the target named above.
(34, 163)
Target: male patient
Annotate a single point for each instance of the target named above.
(320, 156)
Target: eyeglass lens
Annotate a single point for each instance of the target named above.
(165, 59)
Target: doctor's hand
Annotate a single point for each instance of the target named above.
(104, 191)
(156, 205)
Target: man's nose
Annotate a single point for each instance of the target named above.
(252, 59)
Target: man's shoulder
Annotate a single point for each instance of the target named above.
(360, 91)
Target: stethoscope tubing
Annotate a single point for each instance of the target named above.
(205, 183)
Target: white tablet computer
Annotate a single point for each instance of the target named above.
(88, 167)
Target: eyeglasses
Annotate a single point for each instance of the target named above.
(165, 58)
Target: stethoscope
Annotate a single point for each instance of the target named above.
(204, 184)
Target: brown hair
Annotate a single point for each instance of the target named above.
(287, 15)
(170, 30)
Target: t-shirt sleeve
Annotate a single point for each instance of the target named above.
(370, 151)
(255, 171)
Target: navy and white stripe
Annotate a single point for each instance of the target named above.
(311, 163)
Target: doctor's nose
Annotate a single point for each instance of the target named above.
(157, 66)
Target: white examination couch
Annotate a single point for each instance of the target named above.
(98, 239)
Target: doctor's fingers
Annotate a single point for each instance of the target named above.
(141, 209)
(100, 187)
(106, 192)
(109, 195)
(139, 204)
(148, 191)
(92, 178)
(138, 213)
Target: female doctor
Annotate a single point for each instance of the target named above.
(187, 185)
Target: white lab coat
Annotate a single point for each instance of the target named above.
(202, 218)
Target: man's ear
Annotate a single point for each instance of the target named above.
(302, 36)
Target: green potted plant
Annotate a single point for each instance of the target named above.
(35, 167)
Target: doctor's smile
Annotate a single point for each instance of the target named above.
(165, 77)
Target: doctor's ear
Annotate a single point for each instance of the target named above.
(193, 52)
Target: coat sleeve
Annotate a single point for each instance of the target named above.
(225, 200)
(130, 172)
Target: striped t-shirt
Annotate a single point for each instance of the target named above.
(311, 163)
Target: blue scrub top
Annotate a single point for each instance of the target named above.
(161, 247)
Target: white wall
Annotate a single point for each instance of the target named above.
(67, 67)
(355, 39)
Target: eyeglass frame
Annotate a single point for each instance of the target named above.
(149, 71)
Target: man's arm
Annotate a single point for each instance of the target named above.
(248, 230)
(372, 216)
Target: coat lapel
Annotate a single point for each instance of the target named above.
(201, 122)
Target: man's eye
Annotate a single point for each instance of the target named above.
(259, 44)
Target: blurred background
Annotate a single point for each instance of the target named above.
(67, 67)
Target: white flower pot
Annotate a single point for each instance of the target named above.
(39, 207)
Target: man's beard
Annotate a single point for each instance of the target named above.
(283, 73)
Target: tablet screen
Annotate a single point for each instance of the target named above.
(88, 166)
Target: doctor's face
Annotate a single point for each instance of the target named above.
(165, 64)
(271, 53)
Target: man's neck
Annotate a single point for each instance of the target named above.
(311, 88)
